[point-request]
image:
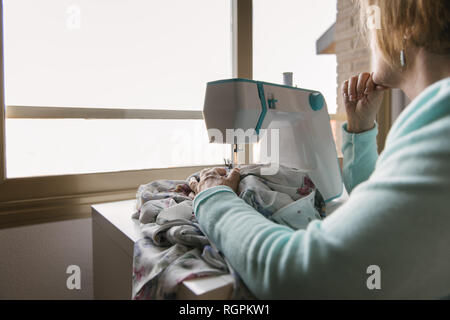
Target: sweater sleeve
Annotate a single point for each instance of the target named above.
(389, 240)
(360, 155)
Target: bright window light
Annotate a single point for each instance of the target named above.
(284, 40)
(112, 54)
(115, 53)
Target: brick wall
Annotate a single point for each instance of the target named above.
(352, 55)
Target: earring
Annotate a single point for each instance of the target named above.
(402, 53)
(402, 58)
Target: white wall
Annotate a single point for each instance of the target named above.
(34, 259)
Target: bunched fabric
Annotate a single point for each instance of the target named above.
(174, 248)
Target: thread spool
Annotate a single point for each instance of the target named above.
(287, 78)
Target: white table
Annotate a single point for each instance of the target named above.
(114, 235)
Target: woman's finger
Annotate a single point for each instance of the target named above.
(234, 173)
(206, 172)
(233, 177)
(193, 184)
(220, 171)
(213, 172)
(352, 88)
(345, 91)
(361, 86)
(379, 87)
(203, 172)
(370, 86)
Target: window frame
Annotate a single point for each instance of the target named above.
(40, 199)
(51, 198)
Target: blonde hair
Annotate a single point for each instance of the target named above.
(422, 23)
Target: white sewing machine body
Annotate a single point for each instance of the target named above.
(301, 116)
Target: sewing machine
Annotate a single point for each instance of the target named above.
(294, 122)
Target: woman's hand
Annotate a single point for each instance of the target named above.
(362, 99)
(215, 177)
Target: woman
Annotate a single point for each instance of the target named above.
(396, 222)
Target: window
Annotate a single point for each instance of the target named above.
(122, 54)
(284, 40)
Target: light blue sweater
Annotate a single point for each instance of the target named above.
(397, 218)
